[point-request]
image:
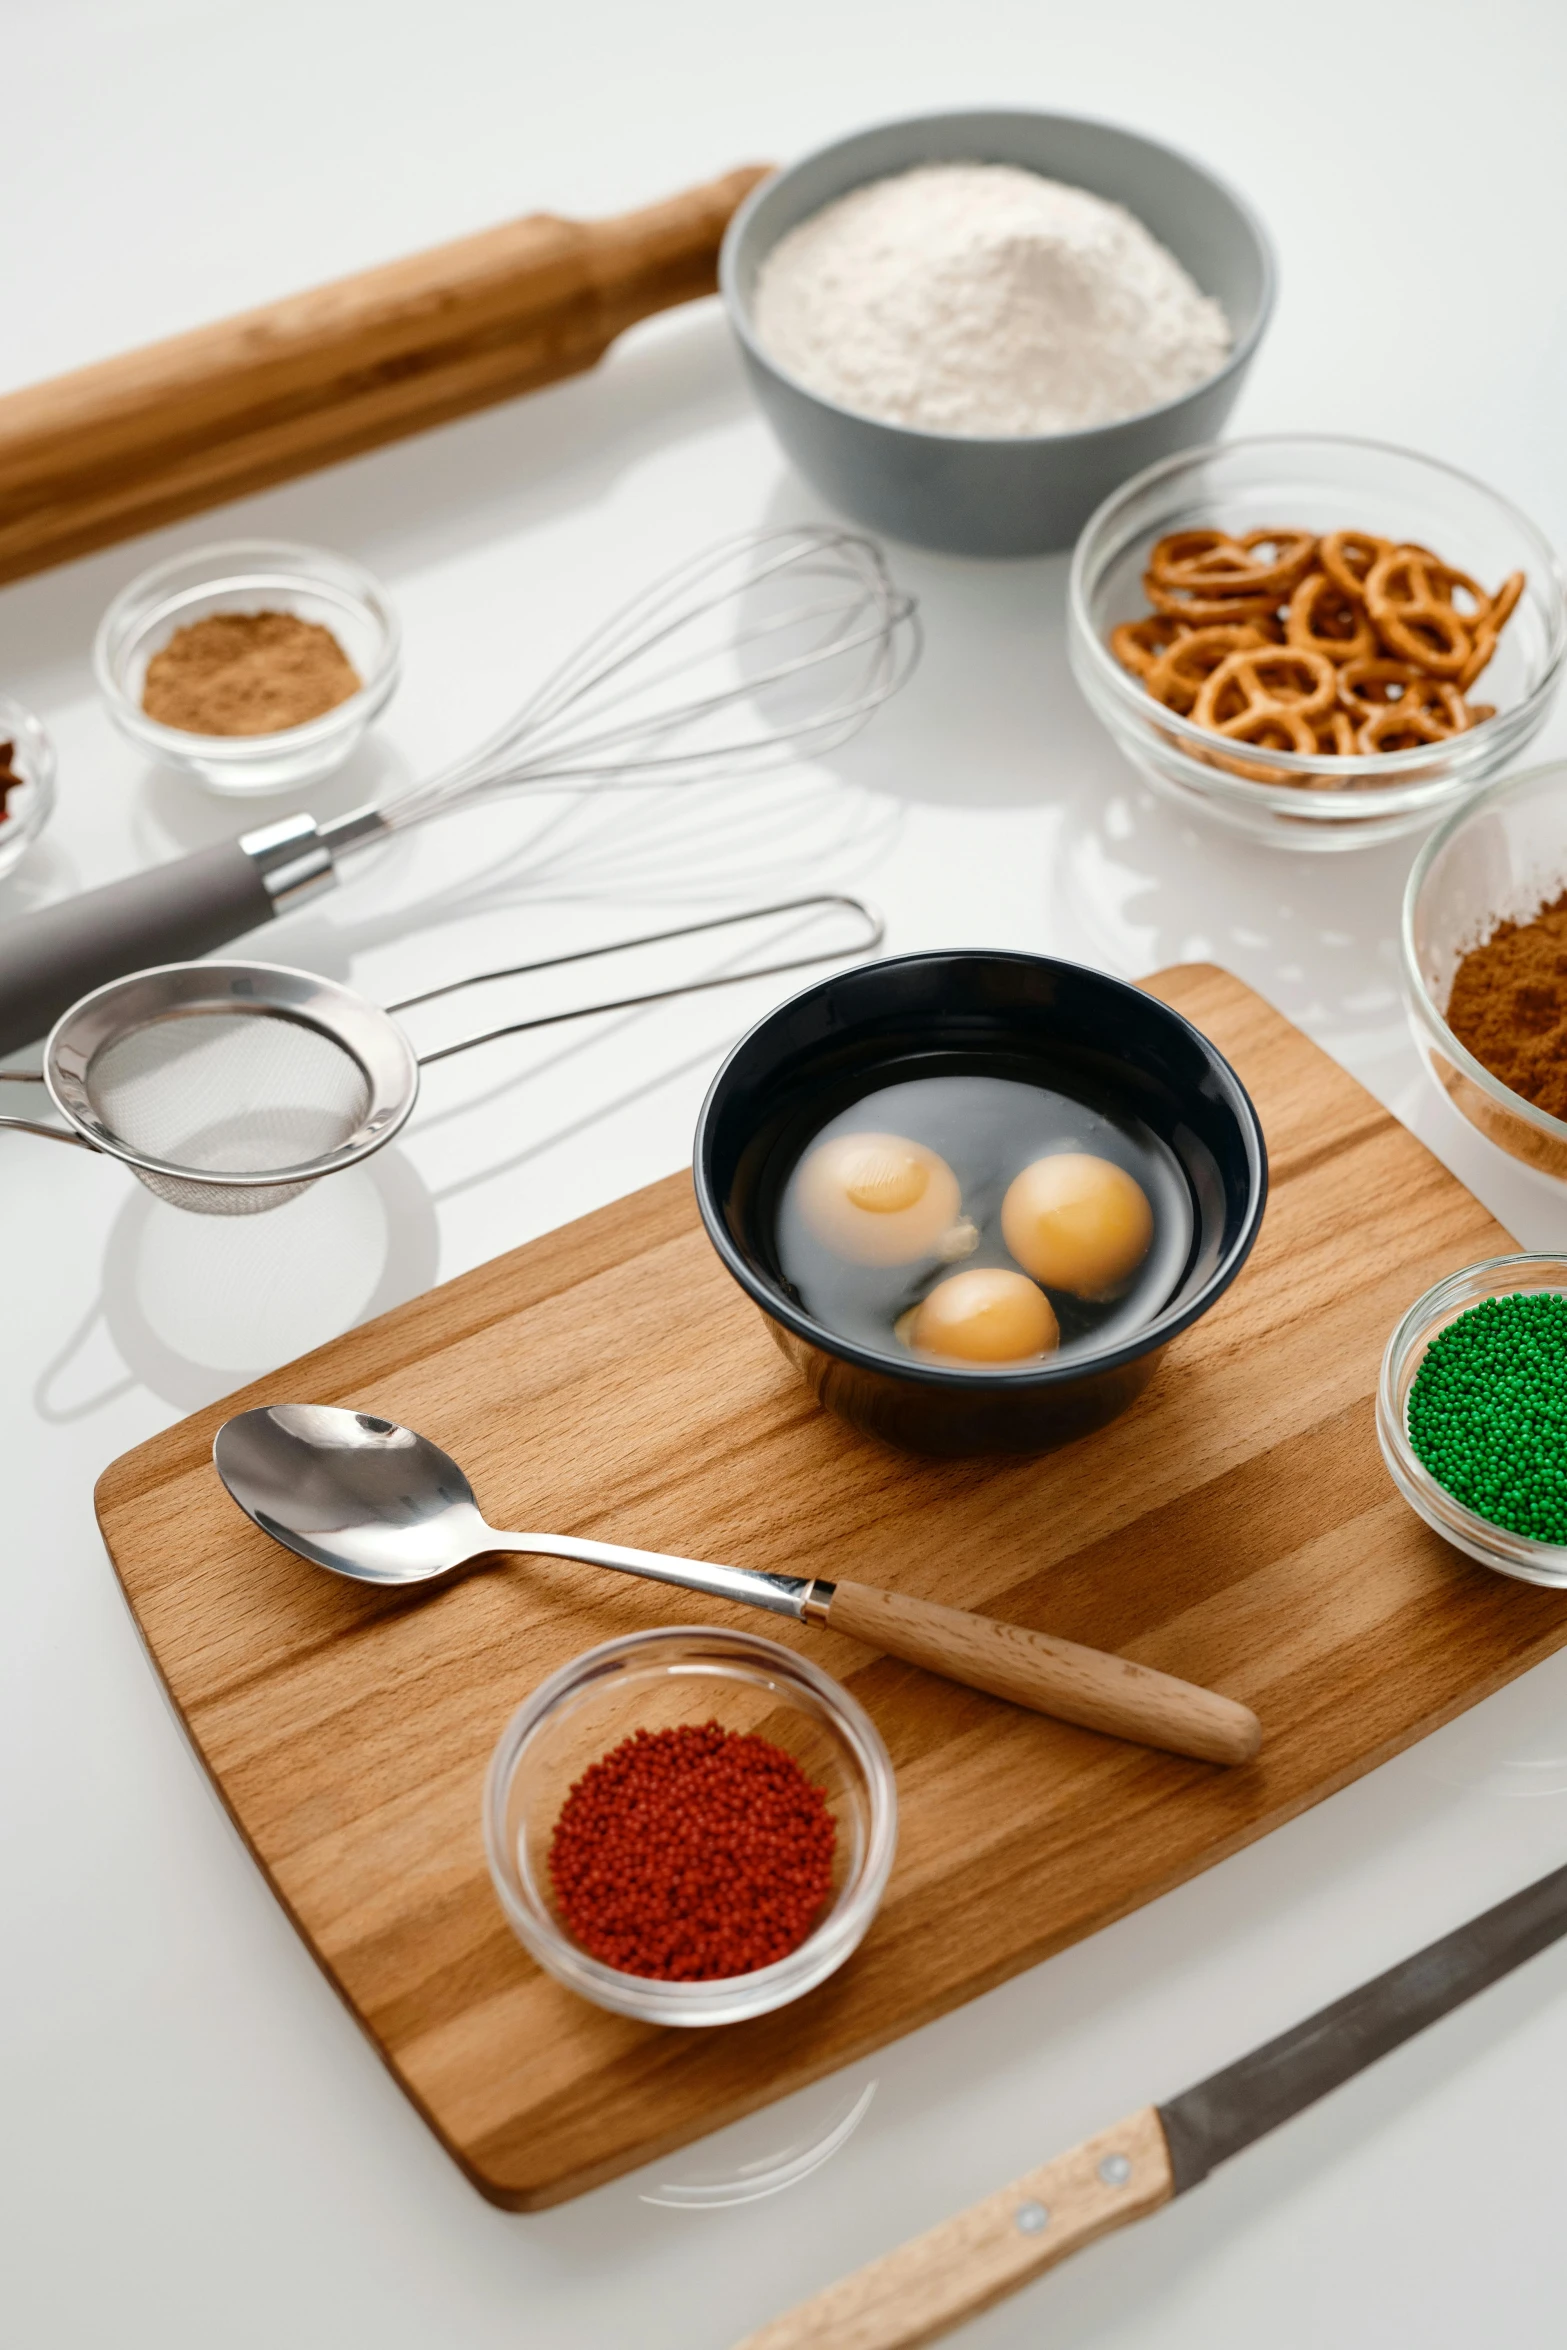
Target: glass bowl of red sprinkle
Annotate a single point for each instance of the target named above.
(1472, 1413)
(690, 1826)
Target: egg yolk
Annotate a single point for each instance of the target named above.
(1077, 1223)
(878, 1199)
(987, 1315)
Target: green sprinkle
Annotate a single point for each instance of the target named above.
(1488, 1412)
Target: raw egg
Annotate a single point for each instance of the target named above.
(878, 1199)
(987, 1315)
(1077, 1223)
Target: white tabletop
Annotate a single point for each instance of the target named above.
(199, 2148)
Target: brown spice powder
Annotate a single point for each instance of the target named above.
(247, 673)
(1509, 1006)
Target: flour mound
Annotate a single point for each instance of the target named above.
(978, 298)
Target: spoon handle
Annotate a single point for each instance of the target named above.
(1075, 1684)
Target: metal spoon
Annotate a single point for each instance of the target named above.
(369, 1499)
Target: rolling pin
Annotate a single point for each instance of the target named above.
(140, 440)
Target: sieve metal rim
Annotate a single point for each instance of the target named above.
(370, 1036)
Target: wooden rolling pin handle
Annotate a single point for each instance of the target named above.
(177, 426)
(1081, 1685)
(965, 2265)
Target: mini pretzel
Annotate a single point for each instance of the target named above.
(1178, 676)
(1292, 555)
(1493, 620)
(1336, 734)
(1212, 563)
(1348, 556)
(1137, 644)
(1414, 617)
(1364, 686)
(1398, 729)
(1277, 678)
(1206, 611)
(1504, 603)
(1324, 620)
(1272, 726)
(1208, 559)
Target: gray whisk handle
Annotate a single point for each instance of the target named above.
(50, 959)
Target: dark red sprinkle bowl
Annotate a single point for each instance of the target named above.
(653, 1681)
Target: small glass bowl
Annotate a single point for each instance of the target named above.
(1501, 857)
(654, 1680)
(1320, 483)
(29, 808)
(1494, 1546)
(249, 575)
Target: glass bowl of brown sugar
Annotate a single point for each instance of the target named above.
(254, 665)
(1484, 950)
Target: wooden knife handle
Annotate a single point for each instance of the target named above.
(137, 441)
(1082, 1685)
(943, 2278)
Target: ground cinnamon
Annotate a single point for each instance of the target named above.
(247, 673)
(1509, 1006)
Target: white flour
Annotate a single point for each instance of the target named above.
(977, 298)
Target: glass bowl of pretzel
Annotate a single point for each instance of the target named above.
(1315, 641)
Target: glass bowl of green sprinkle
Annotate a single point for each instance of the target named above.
(1472, 1413)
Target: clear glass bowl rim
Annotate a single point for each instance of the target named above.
(1126, 695)
(1415, 991)
(227, 555)
(822, 1952)
(1519, 1555)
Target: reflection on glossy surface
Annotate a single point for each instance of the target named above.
(1514, 1745)
(766, 2153)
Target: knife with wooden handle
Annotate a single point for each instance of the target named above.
(941, 2279)
(139, 440)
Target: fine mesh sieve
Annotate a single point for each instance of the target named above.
(229, 1088)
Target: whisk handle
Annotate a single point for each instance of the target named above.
(50, 959)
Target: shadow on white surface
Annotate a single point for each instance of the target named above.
(193, 1306)
(1154, 886)
(46, 871)
(992, 717)
(173, 813)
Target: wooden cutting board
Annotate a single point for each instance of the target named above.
(1237, 1526)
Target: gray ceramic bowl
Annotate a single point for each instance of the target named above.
(1022, 495)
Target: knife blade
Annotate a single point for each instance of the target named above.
(962, 2266)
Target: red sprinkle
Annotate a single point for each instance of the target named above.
(692, 1854)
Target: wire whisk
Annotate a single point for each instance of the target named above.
(773, 646)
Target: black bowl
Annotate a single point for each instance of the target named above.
(1090, 1036)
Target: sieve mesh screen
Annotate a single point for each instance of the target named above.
(228, 1092)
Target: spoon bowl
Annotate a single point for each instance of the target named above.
(358, 1495)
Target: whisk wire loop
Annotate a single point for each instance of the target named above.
(850, 623)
